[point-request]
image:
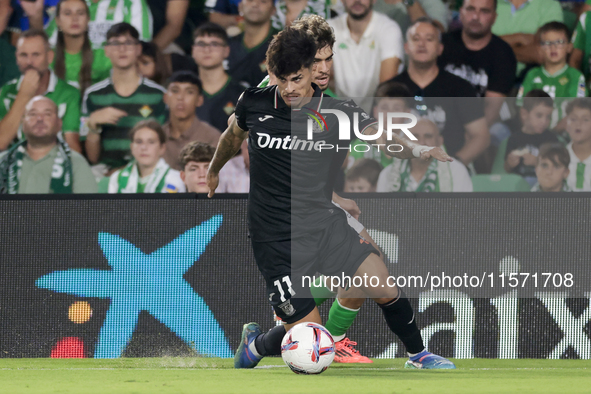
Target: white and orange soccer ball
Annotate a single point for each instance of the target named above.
(308, 348)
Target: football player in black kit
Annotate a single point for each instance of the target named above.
(294, 227)
(345, 307)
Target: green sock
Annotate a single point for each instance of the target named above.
(320, 292)
(339, 320)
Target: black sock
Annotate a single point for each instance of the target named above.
(269, 343)
(400, 318)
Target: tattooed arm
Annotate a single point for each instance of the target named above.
(228, 146)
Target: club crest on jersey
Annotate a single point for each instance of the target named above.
(287, 308)
(263, 66)
(146, 111)
(316, 122)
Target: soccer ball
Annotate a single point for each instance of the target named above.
(308, 348)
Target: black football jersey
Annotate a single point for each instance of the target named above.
(290, 173)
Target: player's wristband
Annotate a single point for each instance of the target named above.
(417, 150)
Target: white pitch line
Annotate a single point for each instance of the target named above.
(270, 367)
(519, 369)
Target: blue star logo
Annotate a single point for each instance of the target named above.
(148, 282)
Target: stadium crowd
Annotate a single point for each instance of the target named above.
(131, 96)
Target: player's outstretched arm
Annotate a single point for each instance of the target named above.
(410, 149)
(228, 146)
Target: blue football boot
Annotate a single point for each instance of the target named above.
(244, 357)
(426, 360)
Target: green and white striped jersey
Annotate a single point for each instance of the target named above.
(106, 13)
(582, 41)
(145, 103)
(568, 82)
(579, 177)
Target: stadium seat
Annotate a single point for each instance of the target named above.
(103, 185)
(500, 183)
(499, 163)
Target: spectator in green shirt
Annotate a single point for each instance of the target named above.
(104, 14)
(581, 41)
(33, 57)
(75, 60)
(114, 106)
(554, 76)
(517, 23)
(44, 163)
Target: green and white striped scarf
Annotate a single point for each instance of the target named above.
(61, 173)
(129, 178)
(438, 177)
(580, 175)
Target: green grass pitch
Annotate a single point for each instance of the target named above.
(210, 375)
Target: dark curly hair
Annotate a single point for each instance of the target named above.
(290, 51)
(318, 27)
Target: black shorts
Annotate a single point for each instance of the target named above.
(336, 250)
